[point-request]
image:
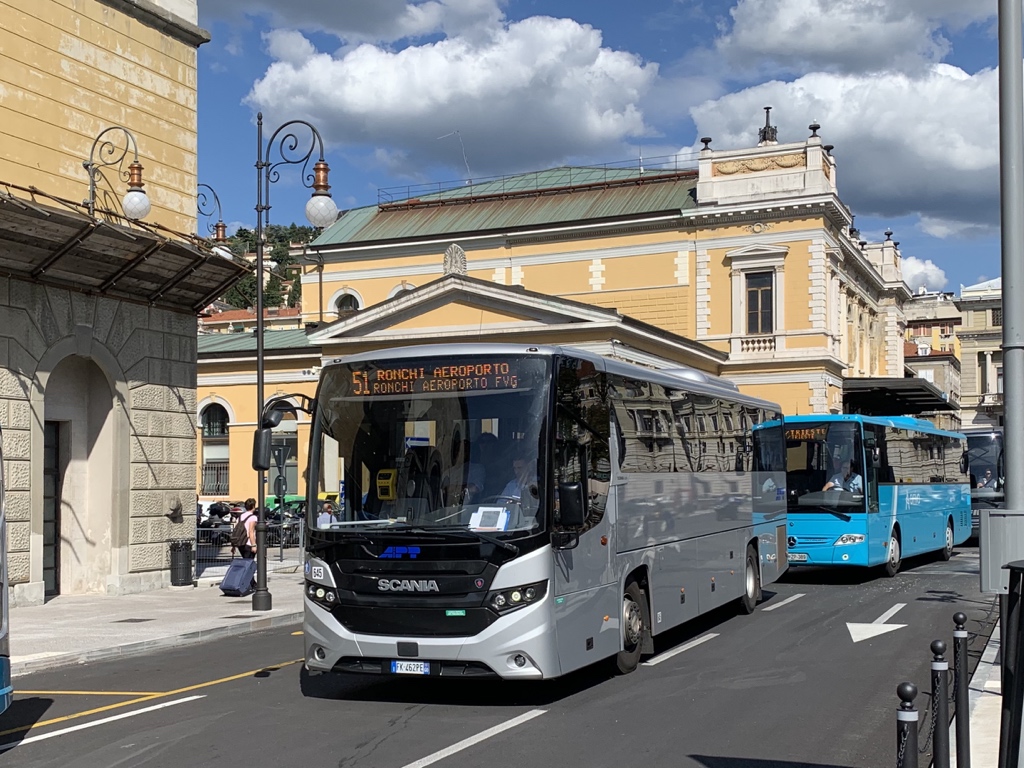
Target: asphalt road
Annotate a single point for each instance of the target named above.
(784, 688)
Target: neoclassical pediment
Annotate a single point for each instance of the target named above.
(456, 302)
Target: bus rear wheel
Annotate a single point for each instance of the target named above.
(947, 549)
(751, 582)
(628, 658)
(892, 565)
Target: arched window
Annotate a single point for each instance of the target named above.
(346, 303)
(400, 289)
(286, 445)
(214, 421)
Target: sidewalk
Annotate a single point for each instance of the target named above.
(71, 630)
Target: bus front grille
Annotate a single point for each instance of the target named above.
(404, 621)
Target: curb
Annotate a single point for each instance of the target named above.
(145, 646)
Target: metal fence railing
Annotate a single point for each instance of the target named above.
(213, 550)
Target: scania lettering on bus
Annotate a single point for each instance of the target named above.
(407, 585)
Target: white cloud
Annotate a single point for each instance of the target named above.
(923, 144)
(918, 273)
(289, 46)
(532, 93)
(373, 21)
(845, 35)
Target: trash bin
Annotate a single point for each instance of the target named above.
(181, 563)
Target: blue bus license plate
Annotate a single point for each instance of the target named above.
(410, 667)
(797, 557)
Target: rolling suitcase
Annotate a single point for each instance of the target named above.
(239, 580)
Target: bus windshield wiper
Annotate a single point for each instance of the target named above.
(457, 529)
(482, 536)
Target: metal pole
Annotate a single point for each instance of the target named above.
(261, 598)
(906, 726)
(1002, 531)
(940, 703)
(961, 692)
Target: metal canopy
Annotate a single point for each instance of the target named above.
(893, 397)
(67, 249)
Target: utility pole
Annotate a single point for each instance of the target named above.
(1002, 530)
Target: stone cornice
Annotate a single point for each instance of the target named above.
(162, 20)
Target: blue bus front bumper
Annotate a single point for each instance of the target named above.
(822, 550)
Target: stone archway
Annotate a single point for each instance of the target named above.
(80, 441)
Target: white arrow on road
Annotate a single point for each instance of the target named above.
(878, 627)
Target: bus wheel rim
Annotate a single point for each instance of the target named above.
(949, 538)
(632, 622)
(894, 550)
(751, 581)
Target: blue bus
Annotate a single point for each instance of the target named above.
(6, 689)
(867, 491)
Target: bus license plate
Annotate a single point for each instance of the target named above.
(797, 557)
(410, 667)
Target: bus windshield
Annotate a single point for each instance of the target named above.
(433, 444)
(985, 455)
(824, 467)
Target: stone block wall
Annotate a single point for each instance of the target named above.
(148, 356)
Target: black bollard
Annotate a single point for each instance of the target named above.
(940, 704)
(906, 726)
(961, 692)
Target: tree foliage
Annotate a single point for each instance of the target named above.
(278, 238)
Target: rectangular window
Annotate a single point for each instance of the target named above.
(997, 316)
(760, 304)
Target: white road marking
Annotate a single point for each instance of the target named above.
(787, 601)
(94, 723)
(482, 736)
(878, 627)
(890, 613)
(676, 651)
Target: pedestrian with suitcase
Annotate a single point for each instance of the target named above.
(241, 575)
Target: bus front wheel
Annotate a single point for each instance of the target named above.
(892, 565)
(751, 582)
(632, 629)
(947, 551)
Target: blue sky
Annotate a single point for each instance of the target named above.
(906, 90)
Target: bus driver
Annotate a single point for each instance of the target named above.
(845, 480)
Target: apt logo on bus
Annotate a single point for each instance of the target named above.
(398, 553)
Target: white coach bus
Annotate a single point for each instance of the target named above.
(522, 512)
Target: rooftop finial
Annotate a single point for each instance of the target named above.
(888, 234)
(769, 134)
(707, 142)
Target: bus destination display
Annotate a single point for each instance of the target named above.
(418, 379)
(815, 433)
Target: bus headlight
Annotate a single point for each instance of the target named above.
(849, 538)
(506, 600)
(325, 597)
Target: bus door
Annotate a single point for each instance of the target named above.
(583, 558)
(877, 488)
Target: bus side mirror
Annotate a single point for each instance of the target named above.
(875, 456)
(572, 506)
(964, 463)
(261, 442)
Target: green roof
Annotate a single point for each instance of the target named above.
(543, 198)
(228, 343)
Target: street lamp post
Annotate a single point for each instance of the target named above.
(321, 211)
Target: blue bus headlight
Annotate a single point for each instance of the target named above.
(849, 538)
(506, 600)
(323, 596)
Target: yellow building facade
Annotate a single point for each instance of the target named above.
(744, 265)
(99, 304)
